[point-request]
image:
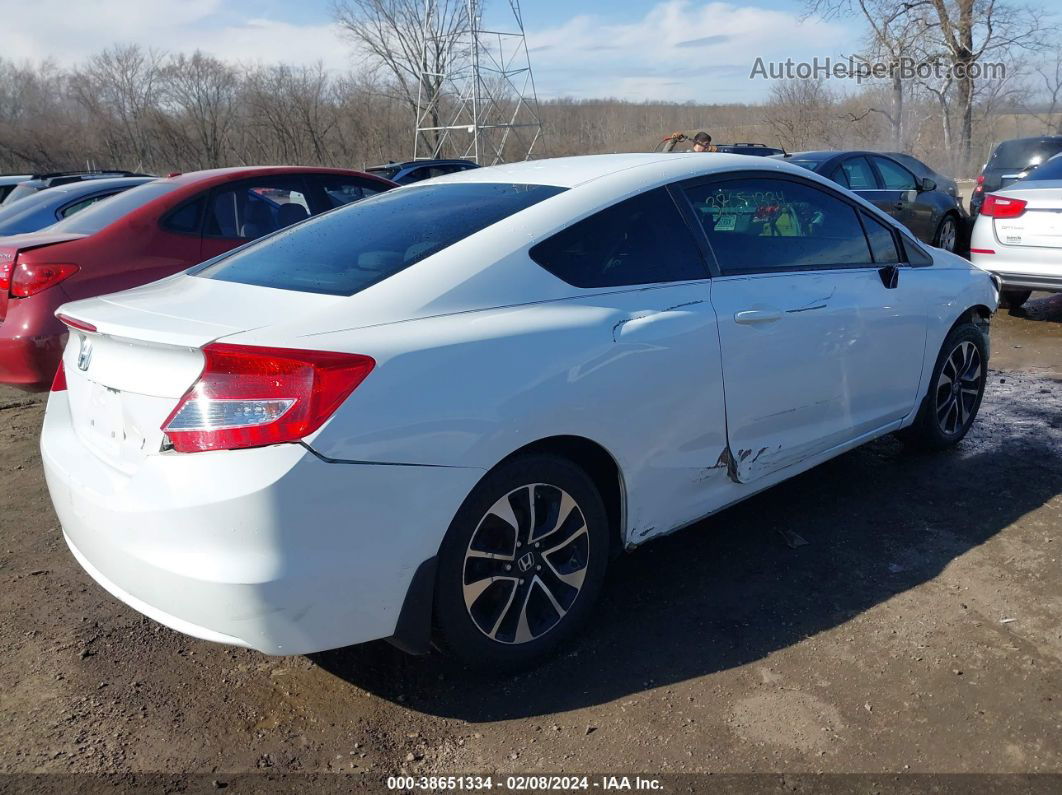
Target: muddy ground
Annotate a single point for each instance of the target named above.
(919, 629)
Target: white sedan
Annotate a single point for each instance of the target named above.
(435, 415)
(1018, 234)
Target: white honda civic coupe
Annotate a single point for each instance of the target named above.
(436, 414)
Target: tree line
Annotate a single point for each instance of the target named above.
(133, 108)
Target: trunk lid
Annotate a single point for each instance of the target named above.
(1041, 223)
(126, 376)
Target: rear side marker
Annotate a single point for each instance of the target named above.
(73, 322)
(59, 382)
(982, 251)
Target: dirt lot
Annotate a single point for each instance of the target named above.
(919, 629)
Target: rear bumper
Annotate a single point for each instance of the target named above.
(31, 344)
(1031, 281)
(273, 549)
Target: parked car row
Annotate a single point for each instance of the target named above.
(143, 234)
(436, 414)
(932, 210)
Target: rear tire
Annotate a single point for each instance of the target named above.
(955, 391)
(522, 564)
(1014, 299)
(947, 236)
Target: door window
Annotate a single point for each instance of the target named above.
(765, 224)
(253, 208)
(895, 176)
(638, 241)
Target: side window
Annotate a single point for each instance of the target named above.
(858, 174)
(639, 241)
(882, 241)
(895, 176)
(766, 224)
(78, 206)
(916, 255)
(253, 208)
(334, 190)
(416, 175)
(186, 219)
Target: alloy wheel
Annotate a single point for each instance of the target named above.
(958, 387)
(948, 234)
(525, 564)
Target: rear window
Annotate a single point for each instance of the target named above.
(387, 172)
(1021, 153)
(1052, 169)
(810, 165)
(354, 247)
(104, 213)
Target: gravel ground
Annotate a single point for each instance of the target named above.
(918, 630)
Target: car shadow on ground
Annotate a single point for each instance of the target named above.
(1042, 307)
(730, 590)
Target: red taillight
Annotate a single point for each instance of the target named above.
(6, 268)
(980, 186)
(1001, 207)
(29, 279)
(59, 382)
(250, 397)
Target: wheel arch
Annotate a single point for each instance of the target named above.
(602, 468)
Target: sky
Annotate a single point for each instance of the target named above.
(676, 50)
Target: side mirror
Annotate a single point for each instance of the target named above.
(928, 184)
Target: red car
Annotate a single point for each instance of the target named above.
(144, 234)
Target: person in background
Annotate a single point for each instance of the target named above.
(702, 142)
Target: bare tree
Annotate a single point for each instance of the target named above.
(119, 88)
(411, 41)
(1045, 95)
(202, 92)
(893, 35)
(799, 112)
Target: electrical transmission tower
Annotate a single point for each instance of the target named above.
(476, 98)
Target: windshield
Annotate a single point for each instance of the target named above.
(1052, 169)
(104, 213)
(1019, 154)
(356, 246)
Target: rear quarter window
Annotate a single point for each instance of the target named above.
(356, 246)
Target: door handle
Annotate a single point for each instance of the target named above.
(750, 317)
(899, 205)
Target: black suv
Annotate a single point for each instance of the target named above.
(38, 182)
(1011, 161)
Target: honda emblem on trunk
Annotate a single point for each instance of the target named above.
(84, 355)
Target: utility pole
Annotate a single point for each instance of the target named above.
(483, 105)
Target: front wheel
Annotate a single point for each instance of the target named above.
(955, 391)
(522, 563)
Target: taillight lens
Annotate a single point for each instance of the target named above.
(1001, 207)
(248, 396)
(59, 382)
(29, 279)
(6, 268)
